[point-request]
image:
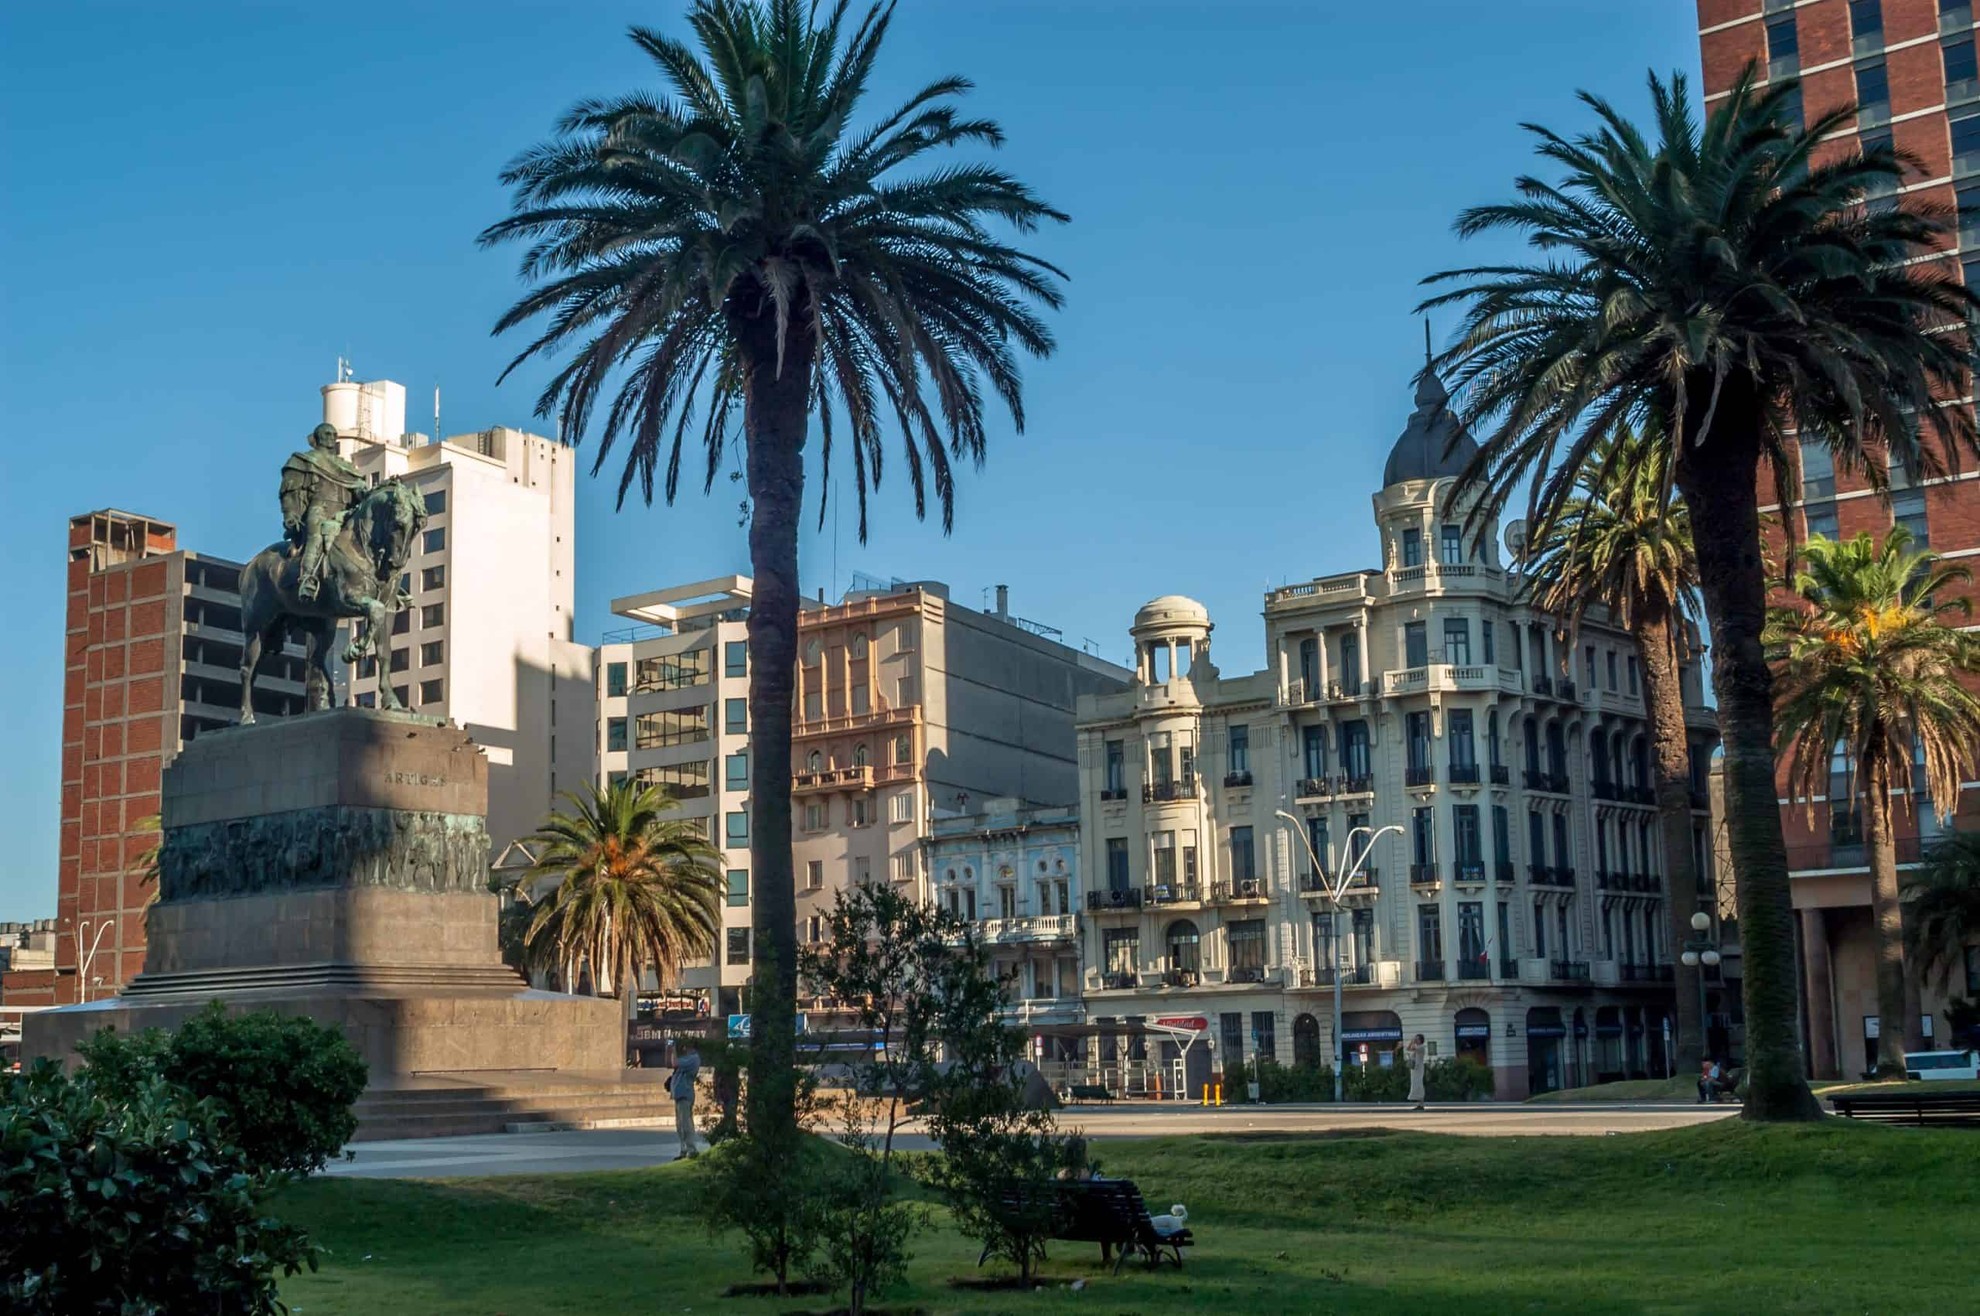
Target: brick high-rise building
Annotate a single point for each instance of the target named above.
(151, 658)
(1910, 68)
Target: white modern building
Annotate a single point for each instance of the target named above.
(1513, 905)
(488, 641)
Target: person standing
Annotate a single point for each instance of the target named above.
(687, 1068)
(1413, 1056)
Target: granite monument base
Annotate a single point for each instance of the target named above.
(335, 865)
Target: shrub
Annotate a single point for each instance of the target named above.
(863, 1225)
(1306, 1083)
(1456, 1078)
(1376, 1082)
(773, 1193)
(133, 1206)
(283, 1085)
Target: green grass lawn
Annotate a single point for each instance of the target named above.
(1681, 1087)
(1722, 1218)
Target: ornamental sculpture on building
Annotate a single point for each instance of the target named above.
(341, 558)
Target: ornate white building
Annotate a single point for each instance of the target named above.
(1513, 910)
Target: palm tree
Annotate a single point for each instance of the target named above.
(1942, 908)
(1867, 662)
(634, 887)
(1621, 543)
(739, 240)
(1725, 282)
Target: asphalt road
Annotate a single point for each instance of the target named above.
(624, 1149)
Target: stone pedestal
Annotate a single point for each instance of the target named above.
(336, 865)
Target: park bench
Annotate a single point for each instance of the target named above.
(1910, 1107)
(1109, 1212)
(1090, 1092)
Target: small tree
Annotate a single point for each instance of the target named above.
(282, 1086)
(772, 1192)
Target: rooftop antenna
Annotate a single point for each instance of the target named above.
(1427, 354)
(436, 413)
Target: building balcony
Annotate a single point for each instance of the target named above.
(1542, 685)
(1032, 929)
(1313, 788)
(1425, 875)
(1568, 970)
(1440, 676)
(1503, 870)
(1044, 1010)
(1419, 776)
(1533, 779)
(1603, 789)
(1116, 981)
(1474, 970)
(1316, 884)
(1181, 978)
(1501, 774)
(1542, 875)
(1350, 785)
(1463, 774)
(1323, 977)
(1509, 970)
(1239, 891)
(1607, 881)
(1646, 973)
(1179, 893)
(1564, 690)
(1125, 900)
(1647, 883)
(833, 779)
(878, 719)
(1233, 780)
(1116, 793)
(1468, 872)
(1163, 792)
(1245, 973)
(1429, 970)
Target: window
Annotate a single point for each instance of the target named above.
(1264, 1033)
(671, 726)
(1588, 666)
(672, 671)
(1505, 932)
(859, 755)
(862, 870)
(1416, 644)
(1123, 947)
(1247, 943)
(1783, 46)
(1501, 835)
(1313, 751)
(1430, 938)
(1492, 737)
(1116, 783)
(735, 716)
(1536, 839)
(1469, 840)
(1962, 71)
(1422, 837)
(432, 653)
(1873, 93)
(1184, 945)
(436, 502)
(1635, 677)
(1966, 144)
(814, 875)
(402, 622)
(367, 667)
(859, 811)
(1485, 633)
(907, 868)
(1309, 666)
(735, 771)
(1117, 864)
(1243, 859)
(1325, 950)
(1241, 749)
(1451, 546)
(1471, 938)
(1821, 520)
(369, 699)
(1562, 859)
(433, 578)
(1540, 927)
(615, 680)
(1457, 641)
(401, 659)
(903, 750)
(432, 692)
(435, 540)
(1363, 932)
(738, 887)
(1457, 731)
(1417, 727)
(435, 614)
(1354, 750)
(735, 658)
(1412, 546)
(1908, 510)
(738, 826)
(738, 939)
(1351, 664)
(682, 781)
(1972, 971)
(1866, 24)
(1791, 108)
(615, 734)
(1316, 836)
(904, 807)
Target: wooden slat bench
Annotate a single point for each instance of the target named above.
(1090, 1092)
(1911, 1107)
(1109, 1212)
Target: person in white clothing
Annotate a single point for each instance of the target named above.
(680, 1086)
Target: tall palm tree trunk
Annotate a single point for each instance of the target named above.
(1663, 696)
(1893, 1035)
(776, 411)
(1719, 482)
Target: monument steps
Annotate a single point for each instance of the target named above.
(525, 1101)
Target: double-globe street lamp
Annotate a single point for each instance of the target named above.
(1701, 950)
(1335, 887)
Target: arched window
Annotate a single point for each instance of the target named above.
(1306, 1041)
(859, 755)
(950, 875)
(814, 762)
(857, 644)
(813, 650)
(903, 749)
(1185, 956)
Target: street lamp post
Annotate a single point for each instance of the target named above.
(1700, 952)
(82, 965)
(1334, 890)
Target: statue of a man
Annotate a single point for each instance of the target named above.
(318, 487)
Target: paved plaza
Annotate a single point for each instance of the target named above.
(626, 1149)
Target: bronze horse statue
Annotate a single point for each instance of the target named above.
(360, 580)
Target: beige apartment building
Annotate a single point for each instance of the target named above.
(488, 641)
(909, 707)
(1511, 906)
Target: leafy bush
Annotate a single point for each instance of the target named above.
(773, 1193)
(1456, 1078)
(132, 1206)
(863, 1224)
(283, 1086)
(1376, 1082)
(1305, 1083)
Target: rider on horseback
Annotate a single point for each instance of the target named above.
(318, 488)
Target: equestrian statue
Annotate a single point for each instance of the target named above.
(343, 554)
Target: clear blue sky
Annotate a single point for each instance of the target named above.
(207, 204)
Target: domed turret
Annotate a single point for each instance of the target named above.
(1170, 634)
(1434, 444)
